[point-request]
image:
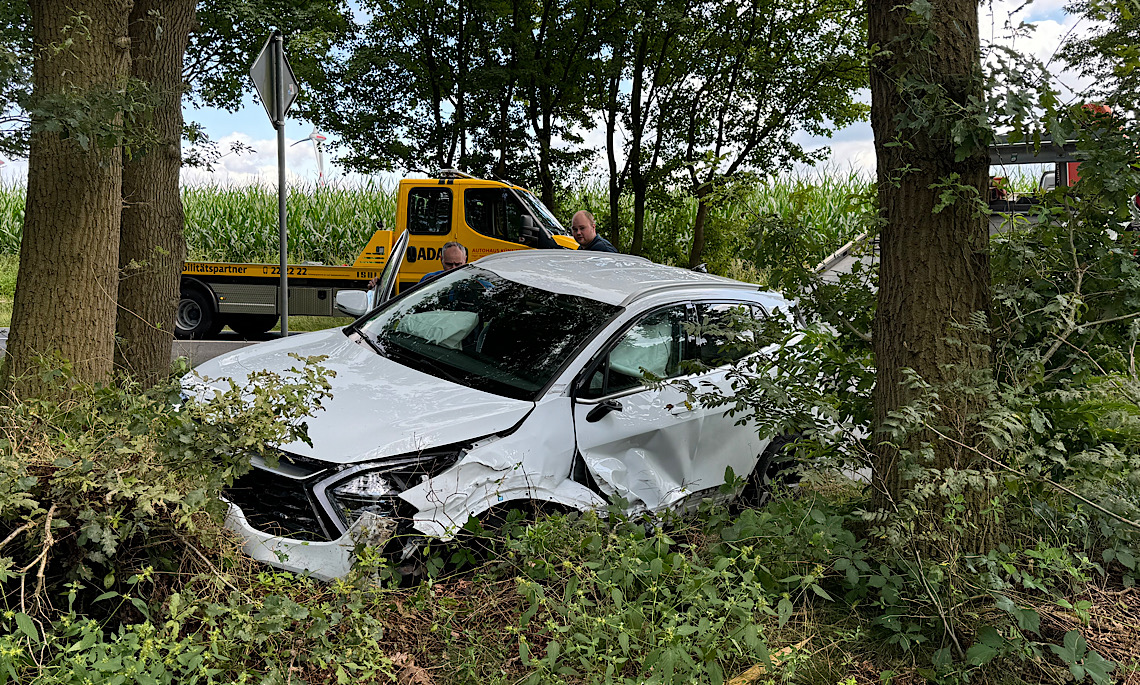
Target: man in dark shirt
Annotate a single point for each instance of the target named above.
(585, 231)
(452, 256)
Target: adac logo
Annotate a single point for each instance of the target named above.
(417, 253)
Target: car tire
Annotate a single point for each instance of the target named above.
(251, 324)
(196, 318)
(771, 471)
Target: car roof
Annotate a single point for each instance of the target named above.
(604, 276)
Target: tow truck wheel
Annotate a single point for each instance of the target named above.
(251, 324)
(196, 318)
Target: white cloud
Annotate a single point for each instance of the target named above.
(13, 171)
(857, 155)
(256, 162)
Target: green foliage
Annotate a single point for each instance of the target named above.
(1083, 661)
(12, 201)
(107, 496)
(108, 475)
(288, 629)
(1108, 56)
(1054, 454)
(229, 34)
(620, 602)
(15, 74)
(765, 72)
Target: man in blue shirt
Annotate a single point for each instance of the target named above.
(452, 255)
(585, 232)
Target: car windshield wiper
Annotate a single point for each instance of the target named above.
(374, 343)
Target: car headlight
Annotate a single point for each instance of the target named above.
(369, 491)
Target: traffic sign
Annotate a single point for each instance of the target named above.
(265, 79)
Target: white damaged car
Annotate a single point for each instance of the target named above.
(513, 379)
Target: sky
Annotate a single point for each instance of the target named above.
(851, 148)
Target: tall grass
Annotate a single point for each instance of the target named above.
(332, 224)
(12, 196)
(239, 223)
(826, 203)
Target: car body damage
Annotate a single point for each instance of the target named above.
(683, 453)
(520, 466)
(495, 385)
(416, 410)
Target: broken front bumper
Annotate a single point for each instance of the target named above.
(320, 560)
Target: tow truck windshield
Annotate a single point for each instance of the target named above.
(543, 214)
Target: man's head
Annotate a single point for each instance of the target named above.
(452, 255)
(582, 227)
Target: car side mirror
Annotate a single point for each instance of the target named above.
(605, 407)
(526, 230)
(533, 235)
(354, 303)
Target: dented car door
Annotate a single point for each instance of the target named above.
(638, 442)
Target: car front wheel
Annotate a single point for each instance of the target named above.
(773, 469)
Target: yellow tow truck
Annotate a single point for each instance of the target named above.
(484, 216)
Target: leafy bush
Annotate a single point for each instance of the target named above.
(109, 503)
(625, 602)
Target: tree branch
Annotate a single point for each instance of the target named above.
(1043, 479)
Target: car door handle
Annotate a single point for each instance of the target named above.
(602, 409)
(679, 408)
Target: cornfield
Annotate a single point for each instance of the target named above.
(332, 224)
(827, 205)
(11, 217)
(328, 225)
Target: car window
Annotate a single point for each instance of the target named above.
(429, 211)
(658, 346)
(726, 331)
(478, 329)
(494, 212)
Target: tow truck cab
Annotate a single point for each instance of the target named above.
(482, 215)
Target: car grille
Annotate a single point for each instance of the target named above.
(277, 505)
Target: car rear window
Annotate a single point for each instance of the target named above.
(481, 330)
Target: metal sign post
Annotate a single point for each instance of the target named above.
(273, 78)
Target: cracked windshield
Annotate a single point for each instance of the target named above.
(478, 329)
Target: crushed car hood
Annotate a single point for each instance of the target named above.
(379, 408)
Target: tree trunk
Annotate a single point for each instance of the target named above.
(934, 267)
(151, 245)
(545, 176)
(613, 112)
(637, 124)
(698, 246)
(68, 279)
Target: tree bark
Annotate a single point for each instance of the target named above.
(613, 112)
(637, 113)
(68, 278)
(698, 246)
(545, 175)
(934, 267)
(151, 246)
